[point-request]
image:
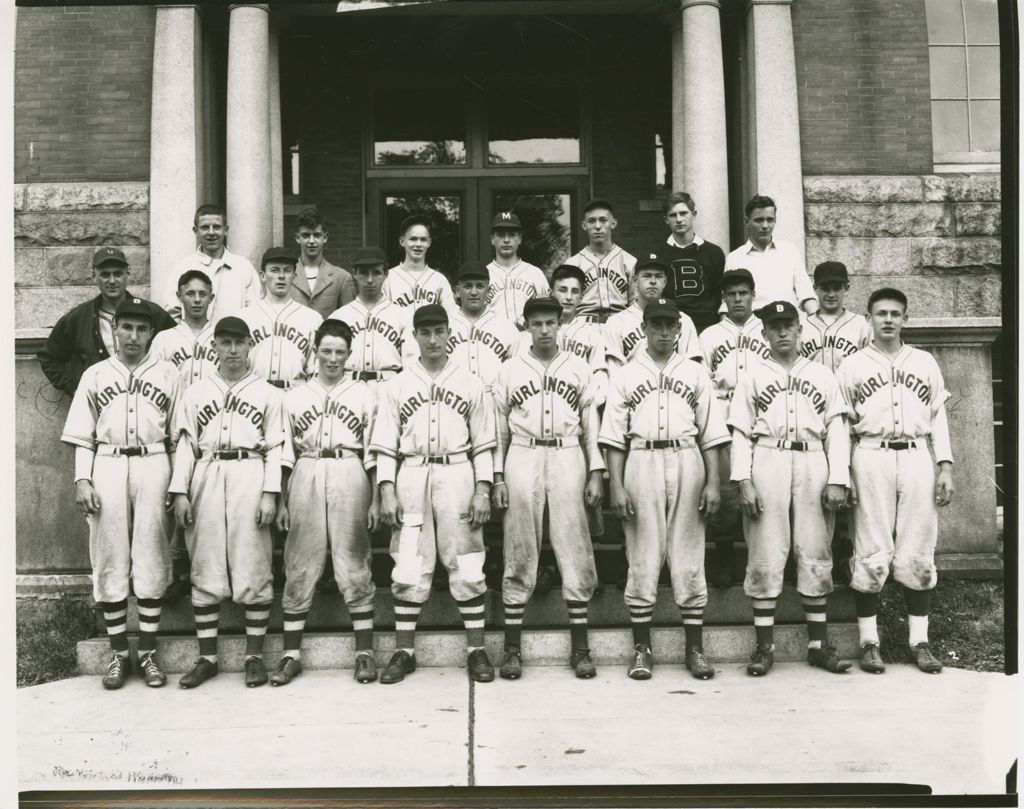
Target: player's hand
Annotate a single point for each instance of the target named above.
(944, 485)
(282, 519)
(750, 502)
(851, 497)
(86, 498)
(710, 498)
(373, 517)
(175, 312)
(621, 503)
(479, 509)
(390, 511)
(594, 490)
(182, 511)
(266, 509)
(499, 495)
(833, 498)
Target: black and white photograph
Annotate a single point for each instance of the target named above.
(432, 400)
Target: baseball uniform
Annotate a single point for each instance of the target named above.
(192, 353)
(480, 345)
(584, 337)
(625, 339)
(830, 341)
(410, 290)
(510, 289)
(283, 336)
(378, 332)
(609, 285)
(897, 409)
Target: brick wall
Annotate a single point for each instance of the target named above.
(863, 77)
(82, 79)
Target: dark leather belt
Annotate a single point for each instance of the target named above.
(441, 459)
(278, 383)
(668, 443)
(130, 451)
(338, 453)
(231, 454)
(365, 376)
(899, 444)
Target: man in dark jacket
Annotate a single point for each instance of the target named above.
(85, 335)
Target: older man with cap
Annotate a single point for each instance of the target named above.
(85, 335)
(833, 333)
(512, 281)
(434, 438)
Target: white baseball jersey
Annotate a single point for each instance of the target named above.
(319, 418)
(832, 341)
(192, 354)
(443, 415)
(411, 290)
(624, 336)
(609, 284)
(658, 404)
(283, 337)
(510, 289)
(377, 335)
(729, 350)
(481, 345)
(584, 337)
(901, 399)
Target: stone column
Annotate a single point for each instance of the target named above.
(276, 179)
(175, 151)
(775, 118)
(249, 185)
(678, 178)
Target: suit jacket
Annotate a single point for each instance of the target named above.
(334, 288)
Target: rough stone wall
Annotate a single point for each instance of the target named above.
(936, 237)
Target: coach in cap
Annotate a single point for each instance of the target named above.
(85, 335)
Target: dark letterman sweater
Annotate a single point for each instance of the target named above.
(695, 277)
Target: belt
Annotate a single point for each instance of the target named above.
(279, 383)
(668, 443)
(230, 454)
(367, 376)
(799, 446)
(526, 441)
(332, 453)
(159, 448)
(888, 444)
(421, 460)
(588, 318)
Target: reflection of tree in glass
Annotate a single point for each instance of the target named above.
(445, 215)
(547, 239)
(437, 152)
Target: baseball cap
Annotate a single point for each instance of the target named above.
(415, 219)
(278, 254)
(738, 276)
(661, 308)
(778, 310)
(133, 307)
(651, 263)
(233, 326)
(429, 315)
(543, 304)
(366, 256)
(108, 255)
(831, 271)
(472, 269)
(506, 220)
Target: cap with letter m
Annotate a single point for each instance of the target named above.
(506, 220)
(778, 310)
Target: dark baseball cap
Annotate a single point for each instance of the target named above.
(473, 269)
(232, 325)
(415, 219)
(368, 256)
(278, 254)
(108, 255)
(429, 315)
(778, 310)
(661, 308)
(831, 271)
(739, 276)
(651, 263)
(506, 220)
(543, 304)
(133, 307)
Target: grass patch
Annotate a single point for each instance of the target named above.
(48, 630)
(965, 628)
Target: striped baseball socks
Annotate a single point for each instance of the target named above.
(693, 626)
(814, 614)
(206, 629)
(362, 626)
(764, 620)
(149, 622)
(257, 618)
(115, 616)
(513, 623)
(578, 623)
(294, 625)
(640, 622)
(407, 613)
(472, 612)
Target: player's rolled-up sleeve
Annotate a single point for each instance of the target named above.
(501, 428)
(710, 420)
(482, 435)
(275, 433)
(384, 437)
(80, 426)
(939, 437)
(590, 422)
(615, 424)
(84, 458)
(837, 450)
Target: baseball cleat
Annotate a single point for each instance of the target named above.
(762, 660)
(255, 672)
(925, 660)
(287, 670)
(202, 671)
(581, 664)
(401, 664)
(366, 668)
(643, 663)
(151, 671)
(511, 663)
(826, 658)
(698, 664)
(117, 672)
(479, 666)
(871, 659)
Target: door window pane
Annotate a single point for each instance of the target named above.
(985, 136)
(547, 225)
(533, 125)
(445, 213)
(984, 72)
(949, 72)
(418, 128)
(945, 21)
(949, 126)
(982, 21)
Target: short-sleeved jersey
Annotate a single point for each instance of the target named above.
(377, 334)
(584, 337)
(832, 341)
(895, 400)
(411, 290)
(511, 289)
(625, 339)
(126, 408)
(660, 404)
(609, 284)
(283, 337)
(480, 345)
(729, 350)
(194, 355)
(336, 418)
(544, 401)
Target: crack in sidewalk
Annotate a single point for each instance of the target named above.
(471, 764)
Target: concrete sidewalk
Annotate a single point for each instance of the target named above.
(956, 732)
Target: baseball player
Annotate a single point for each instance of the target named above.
(790, 446)
(897, 397)
(119, 424)
(411, 283)
(662, 427)
(227, 475)
(328, 475)
(189, 347)
(832, 333)
(435, 427)
(608, 268)
(730, 347)
(548, 423)
(512, 281)
(624, 332)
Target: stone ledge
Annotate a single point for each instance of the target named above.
(984, 187)
(880, 220)
(48, 197)
(953, 330)
(77, 227)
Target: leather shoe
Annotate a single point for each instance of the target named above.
(480, 668)
(117, 672)
(255, 672)
(287, 670)
(511, 663)
(925, 660)
(366, 668)
(871, 659)
(762, 660)
(698, 664)
(826, 658)
(401, 664)
(581, 664)
(202, 671)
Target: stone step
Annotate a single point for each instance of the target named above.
(726, 644)
(728, 606)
